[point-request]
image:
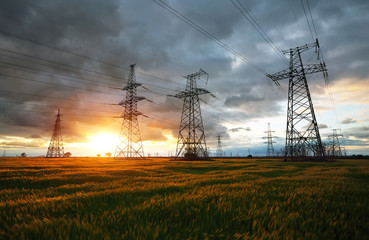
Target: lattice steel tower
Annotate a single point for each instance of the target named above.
(191, 137)
(56, 149)
(219, 152)
(269, 137)
(335, 148)
(130, 144)
(302, 134)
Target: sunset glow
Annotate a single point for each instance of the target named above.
(103, 142)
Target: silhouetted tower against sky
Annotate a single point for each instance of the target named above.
(191, 137)
(130, 144)
(219, 152)
(56, 149)
(269, 137)
(302, 134)
(335, 147)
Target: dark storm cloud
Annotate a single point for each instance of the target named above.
(253, 106)
(97, 40)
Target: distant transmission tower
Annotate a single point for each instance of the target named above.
(130, 144)
(219, 152)
(56, 149)
(302, 134)
(335, 148)
(269, 137)
(191, 136)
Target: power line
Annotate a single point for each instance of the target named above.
(208, 35)
(307, 20)
(53, 47)
(111, 77)
(66, 99)
(329, 90)
(53, 106)
(56, 84)
(96, 46)
(87, 70)
(35, 71)
(203, 110)
(69, 114)
(249, 17)
(312, 20)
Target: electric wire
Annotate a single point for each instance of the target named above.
(69, 67)
(58, 85)
(54, 106)
(312, 19)
(329, 90)
(52, 112)
(75, 53)
(252, 20)
(70, 78)
(88, 71)
(75, 79)
(208, 35)
(60, 98)
(307, 20)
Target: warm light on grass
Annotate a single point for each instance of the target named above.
(102, 198)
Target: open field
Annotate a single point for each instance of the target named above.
(101, 198)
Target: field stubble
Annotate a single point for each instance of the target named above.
(102, 198)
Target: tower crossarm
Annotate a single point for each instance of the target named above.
(315, 68)
(284, 74)
(302, 48)
(196, 91)
(131, 85)
(134, 99)
(130, 114)
(198, 75)
(200, 91)
(308, 69)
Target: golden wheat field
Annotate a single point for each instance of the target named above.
(102, 198)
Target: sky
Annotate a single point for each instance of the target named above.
(75, 56)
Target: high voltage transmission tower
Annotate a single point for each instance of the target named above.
(302, 134)
(335, 148)
(191, 137)
(130, 144)
(269, 137)
(56, 149)
(219, 151)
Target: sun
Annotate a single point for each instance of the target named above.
(103, 142)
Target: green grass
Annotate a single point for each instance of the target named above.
(100, 198)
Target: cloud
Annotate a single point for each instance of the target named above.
(21, 144)
(358, 132)
(35, 136)
(254, 106)
(239, 129)
(348, 121)
(322, 126)
(354, 142)
(86, 47)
